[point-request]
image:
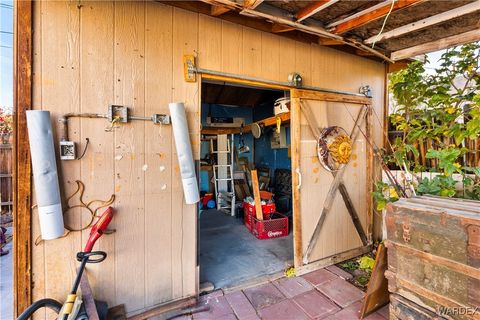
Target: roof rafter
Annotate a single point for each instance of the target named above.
(371, 14)
(417, 25)
(278, 16)
(458, 39)
(252, 4)
(313, 8)
(218, 10)
(279, 28)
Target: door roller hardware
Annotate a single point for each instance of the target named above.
(294, 80)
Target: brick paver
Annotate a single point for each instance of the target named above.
(341, 292)
(284, 310)
(292, 287)
(317, 295)
(240, 305)
(339, 272)
(319, 277)
(219, 308)
(264, 295)
(315, 304)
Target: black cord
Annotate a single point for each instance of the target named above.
(84, 150)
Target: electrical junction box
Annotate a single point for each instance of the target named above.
(67, 150)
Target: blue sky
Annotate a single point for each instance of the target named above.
(6, 53)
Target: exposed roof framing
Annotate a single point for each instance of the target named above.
(370, 15)
(424, 23)
(444, 43)
(313, 8)
(412, 27)
(218, 10)
(252, 4)
(278, 16)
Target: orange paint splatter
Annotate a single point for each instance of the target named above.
(315, 170)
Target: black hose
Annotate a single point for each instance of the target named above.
(43, 303)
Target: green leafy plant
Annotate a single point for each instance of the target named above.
(443, 109)
(350, 265)
(384, 194)
(366, 263)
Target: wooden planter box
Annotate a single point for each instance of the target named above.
(434, 254)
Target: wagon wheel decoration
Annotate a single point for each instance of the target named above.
(334, 148)
(334, 145)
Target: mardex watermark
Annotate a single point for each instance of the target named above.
(458, 311)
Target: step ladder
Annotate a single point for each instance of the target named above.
(223, 173)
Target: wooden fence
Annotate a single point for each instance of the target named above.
(471, 158)
(6, 196)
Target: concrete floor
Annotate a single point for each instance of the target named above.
(231, 255)
(6, 282)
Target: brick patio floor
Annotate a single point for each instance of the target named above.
(322, 294)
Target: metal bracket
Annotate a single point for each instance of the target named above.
(189, 70)
(117, 112)
(366, 90)
(161, 118)
(295, 79)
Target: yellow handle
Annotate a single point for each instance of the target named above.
(68, 306)
(279, 124)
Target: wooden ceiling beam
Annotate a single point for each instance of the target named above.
(252, 4)
(306, 32)
(369, 15)
(313, 8)
(445, 43)
(329, 42)
(279, 28)
(417, 25)
(218, 10)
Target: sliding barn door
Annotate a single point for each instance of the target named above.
(335, 207)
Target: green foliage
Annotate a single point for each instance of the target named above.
(447, 159)
(366, 263)
(363, 280)
(384, 194)
(442, 107)
(350, 265)
(439, 185)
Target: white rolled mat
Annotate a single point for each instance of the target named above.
(184, 152)
(45, 176)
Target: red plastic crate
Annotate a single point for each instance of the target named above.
(249, 212)
(266, 209)
(275, 227)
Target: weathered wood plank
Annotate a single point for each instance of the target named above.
(129, 67)
(22, 288)
(158, 147)
(433, 246)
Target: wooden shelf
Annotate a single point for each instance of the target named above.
(272, 121)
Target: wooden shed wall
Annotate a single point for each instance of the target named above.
(88, 55)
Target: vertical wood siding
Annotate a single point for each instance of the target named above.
(88, 55)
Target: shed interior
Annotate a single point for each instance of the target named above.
(232, 146)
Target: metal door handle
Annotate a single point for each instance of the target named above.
(299, 178)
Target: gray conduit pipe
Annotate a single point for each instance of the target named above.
(45, 176)
(64, 122)
(184, 152)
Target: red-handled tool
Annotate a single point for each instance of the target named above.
(98, 229)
